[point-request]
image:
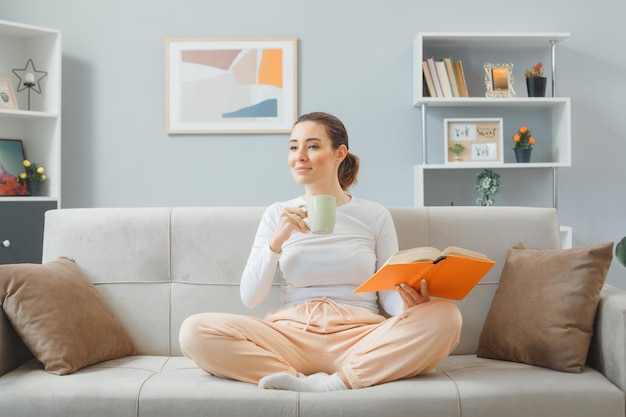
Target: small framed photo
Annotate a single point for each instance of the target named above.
(7, 95)
(499, 80)
(230, 85)
(11, 166)
(473, 140)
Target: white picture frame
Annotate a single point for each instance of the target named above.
(481, 139)
(7, 95)
(499, 80)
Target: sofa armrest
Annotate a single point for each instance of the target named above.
(607, 352)
(13, 352)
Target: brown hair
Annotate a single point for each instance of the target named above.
(349, 167)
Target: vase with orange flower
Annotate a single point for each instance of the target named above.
(524, 142)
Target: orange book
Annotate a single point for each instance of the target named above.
(451, 273)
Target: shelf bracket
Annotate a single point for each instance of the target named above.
(424, 158)
(553, 59)
(554, 187)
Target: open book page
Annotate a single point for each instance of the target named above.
(427, 253)
(424, 253)
(455, 250)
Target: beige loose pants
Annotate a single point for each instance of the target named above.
(323, 336)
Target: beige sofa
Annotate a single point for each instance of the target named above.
(156, 266)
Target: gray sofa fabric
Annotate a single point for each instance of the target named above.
(156, 266)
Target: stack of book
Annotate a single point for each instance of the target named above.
(444, 78)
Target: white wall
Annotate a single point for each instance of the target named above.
(354, 61)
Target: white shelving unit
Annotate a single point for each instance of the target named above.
(39, 129)
(549, 118)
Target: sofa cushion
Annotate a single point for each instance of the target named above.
(544, 309)
(60, 315)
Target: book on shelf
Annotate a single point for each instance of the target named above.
(435, 77)
(460, 77)
(442, 73)
(428, 80)
(450, 273)
(452, 76)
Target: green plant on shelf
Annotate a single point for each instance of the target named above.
(620, 251)
(523, 139)
(487, 184)
(33, 173)
(457, 149)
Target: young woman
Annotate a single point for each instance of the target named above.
(324, 337)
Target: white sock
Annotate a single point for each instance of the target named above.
(320, 382)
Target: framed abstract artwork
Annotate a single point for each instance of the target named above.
(230, 85)
(11, 166)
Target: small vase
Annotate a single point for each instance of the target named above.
(34, 188)
(522, 155)
(536, 86)
(484, 200)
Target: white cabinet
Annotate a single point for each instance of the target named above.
(21, 231)
(549, 118)
(39, 128)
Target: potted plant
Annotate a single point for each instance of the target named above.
(535, 81)
(524, 142)
(457, 150)
(487, 184)
(33, 176)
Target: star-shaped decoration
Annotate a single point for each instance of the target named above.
(29, 81)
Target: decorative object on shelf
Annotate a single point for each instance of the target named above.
(523, 155)
(29, 78)
(535, 81)
(33, 176)
(457, 149)
(487, 184)
(620, 251)
(524, 142)
(499, 80)
(35, 189)
(481, 137)
(7, 95)
(11, 157)
(230, 85)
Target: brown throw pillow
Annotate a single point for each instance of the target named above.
(60, 316)
(544, 309)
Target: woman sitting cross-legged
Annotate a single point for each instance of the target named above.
(324, 337)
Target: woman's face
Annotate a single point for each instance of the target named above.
(312, 159)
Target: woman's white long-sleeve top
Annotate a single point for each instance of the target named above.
(333, 265)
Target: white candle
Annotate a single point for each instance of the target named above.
(29, 78)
